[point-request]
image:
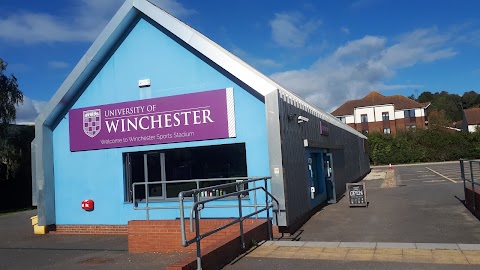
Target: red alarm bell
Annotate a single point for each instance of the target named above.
(87, 205)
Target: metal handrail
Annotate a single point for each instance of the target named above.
(471, 180)
(147, 207)
(199, 205)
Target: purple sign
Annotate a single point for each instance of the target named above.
(324, 130)
(182, 118)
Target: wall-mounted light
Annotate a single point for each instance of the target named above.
(144, 83)
(302, 119)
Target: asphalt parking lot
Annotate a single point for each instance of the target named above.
(433, 174)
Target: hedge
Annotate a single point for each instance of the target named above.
(423, 145)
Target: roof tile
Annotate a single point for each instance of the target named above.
(472, 116)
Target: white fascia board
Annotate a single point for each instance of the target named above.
(374, 106)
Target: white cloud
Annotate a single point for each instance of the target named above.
(256, 62)
(362, 3)
(361, 65)
(267, 63)
(345, 30)
(29, 110)
(82, 22)
(173, 7)
(58, 64)
(290, 30)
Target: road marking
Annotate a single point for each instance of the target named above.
(430, 184)
(442, 175)
(434, 181)
(416, 179)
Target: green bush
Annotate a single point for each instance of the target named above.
(423, 145)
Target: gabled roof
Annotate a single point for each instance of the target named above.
(472, 116)
(42, 147)
(117, 26)
(374, 98)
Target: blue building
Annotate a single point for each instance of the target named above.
(155, 100)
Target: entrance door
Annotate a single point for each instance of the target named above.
(317, 179)
(329, 177)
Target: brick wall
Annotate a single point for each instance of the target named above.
(224, 250)
(88, 229)
(395, 125)
(165, 235)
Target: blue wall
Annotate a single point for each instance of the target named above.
(145, 53)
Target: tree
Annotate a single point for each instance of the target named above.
(450, 103)
(437, 119)
(425, 97)
(10, 97)
(470, 99)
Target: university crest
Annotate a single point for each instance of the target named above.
(92, 122)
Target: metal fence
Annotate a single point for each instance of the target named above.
(199, 204)
(471, 181)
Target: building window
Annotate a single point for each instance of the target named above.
(385, 116)
(364, 118)
(342, 119)
(411, 127)
(409, 113)
(206, 162)
(386, 130)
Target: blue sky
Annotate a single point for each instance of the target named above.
(325, 51)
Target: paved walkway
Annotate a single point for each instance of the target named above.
(467, 254)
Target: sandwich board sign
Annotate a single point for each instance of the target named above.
(357, 194)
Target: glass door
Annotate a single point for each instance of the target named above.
(317, 179)
(329, 177)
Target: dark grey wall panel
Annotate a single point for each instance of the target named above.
(349, 157)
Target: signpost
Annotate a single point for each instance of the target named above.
(357, 194)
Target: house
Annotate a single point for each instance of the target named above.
(471, 119)
(154, 100)
(378, 113)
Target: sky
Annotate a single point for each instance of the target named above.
(327, 52)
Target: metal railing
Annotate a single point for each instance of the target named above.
(199, 204)
(470, 180)
(148, 199)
